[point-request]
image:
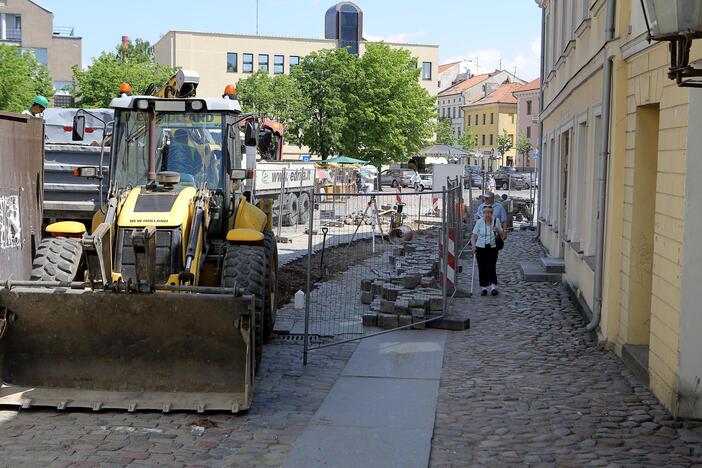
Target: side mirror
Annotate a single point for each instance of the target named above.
(250, 134)
(78, 128)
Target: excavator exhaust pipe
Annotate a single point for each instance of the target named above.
(166, 351)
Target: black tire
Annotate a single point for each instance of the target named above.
(271, 248)
(57, 259)
(394, 184)
(290, 213)
(304, 203)
(245, 267)
(505, 186)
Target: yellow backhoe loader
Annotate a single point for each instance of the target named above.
(164, 302)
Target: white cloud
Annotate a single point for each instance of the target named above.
(527, 62)
(402, 37)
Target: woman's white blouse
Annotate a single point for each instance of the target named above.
(485, 233)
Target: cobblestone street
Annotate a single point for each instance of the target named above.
(287, 395)
(524, 385)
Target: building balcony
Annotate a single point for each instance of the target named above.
(64, 31)
(12, 35)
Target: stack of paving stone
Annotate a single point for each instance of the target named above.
(406, 292)
(358, 218)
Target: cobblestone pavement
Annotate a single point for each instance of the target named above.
(526, 386)
(287, 395)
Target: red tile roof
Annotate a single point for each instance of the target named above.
(446, 66)
(531, 86)
(463, 85)
(502, 95)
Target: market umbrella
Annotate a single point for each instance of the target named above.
(344, 160)
(444, 151)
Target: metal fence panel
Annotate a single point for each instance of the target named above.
(372, 268)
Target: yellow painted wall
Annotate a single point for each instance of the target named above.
(504, 119)
(649, 85)
(646, 173)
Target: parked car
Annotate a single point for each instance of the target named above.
(506, 181)
(395, 177)
(473, 179)
(473, 176)
(426, 183)
(532, 180)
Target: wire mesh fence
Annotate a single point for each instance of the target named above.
(383, 261)
(374, 264)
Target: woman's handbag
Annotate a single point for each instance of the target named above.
(499, 241)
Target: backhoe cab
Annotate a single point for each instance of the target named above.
(165, 303)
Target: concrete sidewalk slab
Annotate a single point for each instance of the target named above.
(379, 402)
(380, 412)
(405, 354)
(361, 447)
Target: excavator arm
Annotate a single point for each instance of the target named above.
(183, 84)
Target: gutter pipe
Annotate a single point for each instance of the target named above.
(604, 159)
(541, 123)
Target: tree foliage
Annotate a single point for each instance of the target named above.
(444, 133)
(22, 78)
(139, 51)
(327, 79)
(370, 107)
(468, 140)
(276, 97)
(133, 64)
(524, 146)
(390, 113)
(504, 143)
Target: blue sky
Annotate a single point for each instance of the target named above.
(487, 29)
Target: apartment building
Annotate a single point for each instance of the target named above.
(451, 100)
(28, 25)
(222, 58)
(528, 99)
(616, 129)
(448, 74)
(487, 118)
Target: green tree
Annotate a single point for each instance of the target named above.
(327, 80)
(390, 114)
(276, 97)
(468, 141)
(100, 82)
(504, 143)
(255, 94)
(139, 51)
(23, 77)
(524, 147)
(444, 133)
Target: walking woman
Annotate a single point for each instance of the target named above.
(486, 233)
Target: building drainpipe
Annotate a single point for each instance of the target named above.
(604, 159)
(541, 123)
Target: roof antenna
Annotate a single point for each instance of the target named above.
(257, 17)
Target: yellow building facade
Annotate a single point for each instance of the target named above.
(649, 300)
(486, 118)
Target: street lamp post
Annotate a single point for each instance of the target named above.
(678, 22)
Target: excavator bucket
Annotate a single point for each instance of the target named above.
(167, 351)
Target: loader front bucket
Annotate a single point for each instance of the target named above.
(166, 351)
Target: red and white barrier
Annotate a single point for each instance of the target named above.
(435, 208)
(451, 275)
(398, 194)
